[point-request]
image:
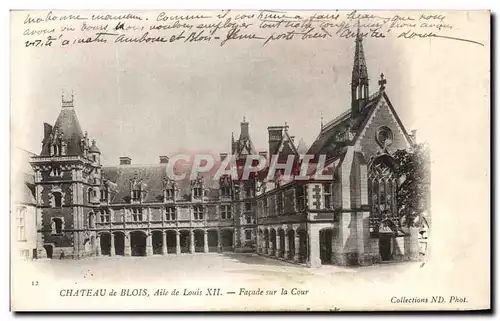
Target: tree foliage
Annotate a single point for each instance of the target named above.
(413, 171)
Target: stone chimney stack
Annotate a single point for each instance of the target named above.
(164, 159)
(125, 160)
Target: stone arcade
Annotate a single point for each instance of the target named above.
(87, 209)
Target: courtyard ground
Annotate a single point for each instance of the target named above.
(191, 274)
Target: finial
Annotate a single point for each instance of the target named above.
(93, 142)
(286, 126)
(244, 119)
(67, 103)
(358, 33)
(382, 82)
(321, 113)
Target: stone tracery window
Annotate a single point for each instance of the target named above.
(382, 186)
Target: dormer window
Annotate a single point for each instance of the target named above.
(197, 192)
(104, 195)
(169, 193)
(225, 191)
(136, 195)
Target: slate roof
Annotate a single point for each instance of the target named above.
(152, 177)
(68, 124)
(326, 142)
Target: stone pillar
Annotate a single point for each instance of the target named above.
(97, 245)
(314, 250)
(287, 247)
(278, 245)
(177, 242)
(413, 248)
(164, 247)
(191, 241)
(271, 249)
(205, 241)
(219, 243)
(297, 247)
(112, 250)
(149, 244)
(127, 251)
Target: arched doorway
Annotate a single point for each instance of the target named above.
(49, 250)
(138, 243)
(213, 241)
(325, 244)
(105, 243)
(171, 241)
(281, 234)
(387, 231)
(119, 243)
(227, 240)
(303, 253)
(291, 243)
(157, 240)
(185, 240)
(199, 241)
(272, 236)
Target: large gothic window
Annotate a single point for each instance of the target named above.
(382, 186)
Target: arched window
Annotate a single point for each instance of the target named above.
(89, 195)
(91, 220)
(382, 186)
(57, 199)
(57, 225)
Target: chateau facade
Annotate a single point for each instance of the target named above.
(87, 209)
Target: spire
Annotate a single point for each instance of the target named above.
(359, 82)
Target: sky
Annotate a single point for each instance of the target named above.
(144, 101)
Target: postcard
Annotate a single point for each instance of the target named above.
(267, 160)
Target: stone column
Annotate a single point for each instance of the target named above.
(191, 241)
(97, 245)
(271, 249)
(314, 250)
(219, 244)
(287, 247)
(413, 253)
(164, 250)
(297, 247)
(127, 251)
(149, 244)
(177, 242)
(112, 250)
(205, 241)
(278, 245)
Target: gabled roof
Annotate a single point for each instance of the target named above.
(327, 143)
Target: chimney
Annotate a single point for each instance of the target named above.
(164, 159)
(244, 128)
(222, 156)
(275, 137)
(47, 129)
(125, 160)
(292, 138)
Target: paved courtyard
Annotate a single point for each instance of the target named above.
(209, 267)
